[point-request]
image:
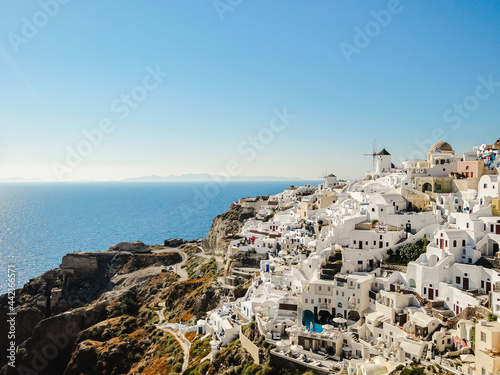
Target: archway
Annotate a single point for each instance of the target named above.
(353, 315)
(426, 187)
(324, 317)
(412, 283)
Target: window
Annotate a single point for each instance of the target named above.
(307, 301)
(483, 336)
(312, 300)
(329, 300)
(328, 288)
(342, 294)
(359, 286)
(319, 288)
(425, 290)
(463, 242)
(454, 243)
(355, 242)
(360, 261)
(339, 305)
(337, 292)
(457, 280)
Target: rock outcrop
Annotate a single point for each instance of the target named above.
(130, 246)
(225, 227)
(88, 288)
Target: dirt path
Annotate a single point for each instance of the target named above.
(161, 314)
(177, 268)
(184, 343)
(218, 258)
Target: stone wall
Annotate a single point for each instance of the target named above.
(250, 347)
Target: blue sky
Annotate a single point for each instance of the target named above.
(230, 69)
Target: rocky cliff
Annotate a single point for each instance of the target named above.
(225, 227)
(87, 289)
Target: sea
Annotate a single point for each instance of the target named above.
(41, 222)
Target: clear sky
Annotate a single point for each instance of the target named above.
(174, 87)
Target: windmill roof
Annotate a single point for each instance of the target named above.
(383, 152)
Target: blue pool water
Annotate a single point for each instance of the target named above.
(308, 319)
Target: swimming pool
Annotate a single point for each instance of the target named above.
(308, 319)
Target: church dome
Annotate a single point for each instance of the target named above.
(443, 146)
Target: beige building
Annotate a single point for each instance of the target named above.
(487, 348)
(316, 202)
(434, 184)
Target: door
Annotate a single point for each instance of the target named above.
(488, 287)
(495, 248)
(380, 244)
(431, 294)
(498, 229)
(466, 283)
(360, 244)
(441, 244)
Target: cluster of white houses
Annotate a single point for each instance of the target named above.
(330, 282)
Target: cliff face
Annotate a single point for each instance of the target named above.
(226, 226)
(88, 288)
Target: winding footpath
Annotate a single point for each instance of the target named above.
(177, 268)
(183, 342)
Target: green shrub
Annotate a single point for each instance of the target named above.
(203, 368)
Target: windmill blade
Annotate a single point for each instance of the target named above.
(374, 153)
(325, 173)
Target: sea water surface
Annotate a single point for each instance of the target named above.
(41, 222)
